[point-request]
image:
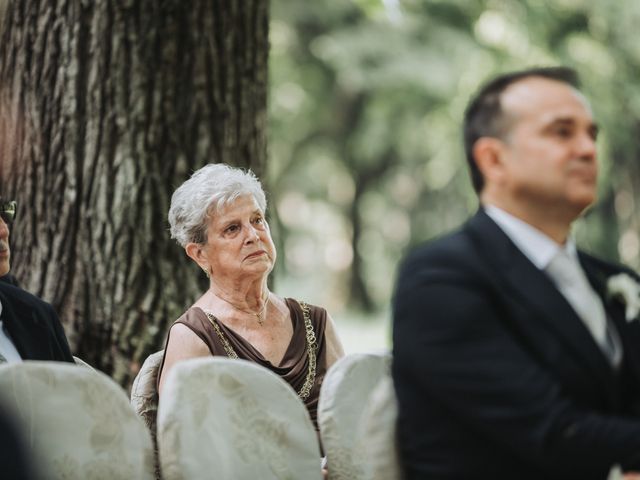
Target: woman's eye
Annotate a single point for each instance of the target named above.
(259, 220)
(231, 228)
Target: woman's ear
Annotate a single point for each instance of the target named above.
(196, 253)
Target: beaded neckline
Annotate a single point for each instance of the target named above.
(310, 337)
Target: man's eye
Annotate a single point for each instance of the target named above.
(563, 132)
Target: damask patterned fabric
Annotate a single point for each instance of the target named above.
(346, 389)
(77, 421)
(377, 434)
(233, 419)
(295, 363)
(144, 391)
(144, 399)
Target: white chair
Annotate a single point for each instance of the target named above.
(77, 421)
(232, 419)
(345, 392)
(377, 439)
(81, 363)
(144, 399)
(144, 391)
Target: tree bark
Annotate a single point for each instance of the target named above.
(108, 106)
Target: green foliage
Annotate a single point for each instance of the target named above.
(366, 104)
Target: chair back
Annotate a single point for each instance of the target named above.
(345, 392)
(77, 421)
(144, 391)
(233, 419)
(377, 438)
(81, 363)
(144, 399)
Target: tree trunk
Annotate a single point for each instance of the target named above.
(111, 105)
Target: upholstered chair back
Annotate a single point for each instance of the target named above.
(144, 399)
(77, 422)
(344, 394)
(376, 437)
(232, 419)
(144, 391)
(82, 363)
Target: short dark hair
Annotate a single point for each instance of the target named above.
(484, 116)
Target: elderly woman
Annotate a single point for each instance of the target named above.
(218, 216)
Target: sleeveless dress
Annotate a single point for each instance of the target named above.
(294, 366)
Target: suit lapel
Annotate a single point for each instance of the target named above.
(629, 334)
(22, 330)
(518, 276)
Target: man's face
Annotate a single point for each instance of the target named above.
(5, 253)
(550, 150)
(7, 215)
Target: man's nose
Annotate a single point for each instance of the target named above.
(586, 146)
(4, 229)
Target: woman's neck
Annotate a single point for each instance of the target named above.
(248, 296)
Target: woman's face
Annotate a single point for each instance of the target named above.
(239, 241)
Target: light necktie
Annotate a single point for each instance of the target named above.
(570, 279)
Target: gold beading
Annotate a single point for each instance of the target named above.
(310, 336)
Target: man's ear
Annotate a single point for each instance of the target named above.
(488, 153)
(196, 253)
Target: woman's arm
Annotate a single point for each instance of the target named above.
(334, 345)
(183, 344)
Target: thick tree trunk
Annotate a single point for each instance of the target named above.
(112, 104)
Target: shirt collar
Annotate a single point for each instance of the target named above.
(538, 247)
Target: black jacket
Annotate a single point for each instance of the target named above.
(496, 375)
(33, 325)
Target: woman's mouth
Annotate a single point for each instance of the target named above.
(256, 254)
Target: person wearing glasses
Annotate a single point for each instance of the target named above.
(7, 213)
(29, 327)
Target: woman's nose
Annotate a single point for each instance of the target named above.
(252, 234)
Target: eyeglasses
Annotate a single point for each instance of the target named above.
(8, 211)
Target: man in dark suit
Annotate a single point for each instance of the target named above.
(15, 457)
(29, 327)
(515, 356)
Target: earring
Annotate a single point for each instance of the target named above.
(206, 272)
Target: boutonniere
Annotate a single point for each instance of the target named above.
(624, 287)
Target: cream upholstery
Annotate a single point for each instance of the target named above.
(144, 391)
(345, 392)
(232, 419)
(77, 421)
(377, 434)
(78, 361)
(144, 399)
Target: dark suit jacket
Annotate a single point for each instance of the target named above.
(33, 326)
(497, 377)
(15, 456)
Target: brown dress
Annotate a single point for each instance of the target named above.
(295, 363)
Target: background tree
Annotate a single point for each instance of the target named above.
(109, 105)
(366, 104)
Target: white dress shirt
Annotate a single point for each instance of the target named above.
(561, 264)
(8, 351)
(538, 247)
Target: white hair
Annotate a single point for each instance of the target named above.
(207, 191)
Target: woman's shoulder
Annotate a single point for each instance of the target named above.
(192, 317)
(302, 304)
(316, 313)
